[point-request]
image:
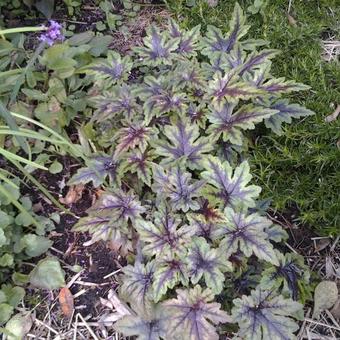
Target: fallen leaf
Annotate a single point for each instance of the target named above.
(334, 115)
(329, 268)
(291, 20)
(18, 326)
(336, 309)
(120, 309)
(321, 244)
(325, 296)
(66, 301)
(73, 195)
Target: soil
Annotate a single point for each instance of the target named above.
(96, 260)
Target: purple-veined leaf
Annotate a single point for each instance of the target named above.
(121, 101)
(205, 262)
(140, 163)
(216, 43)
(276, 233)
(224, 121)
(114, 69)
(158, 48)
(170, 271)
(287, 276)
(197, 114)
(230, 88)
(278, 86)
(285, 114)
(202, 227)
(164, 234)
(137, 283)
(264, 315)
(160, 97)
(189, 75)
(256, 60)
(106, 229)
(208, 212)
(177, 185)
(149, 324)
(119, 206)
(246, 233)
(194, 316)
(187, 46)
(228, 188)
(235, 58)
(132, 136)
(184, 143)
(216, 64)
(97, 170)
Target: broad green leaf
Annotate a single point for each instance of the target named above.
(47, 274)
(35, 245)
(5, 312)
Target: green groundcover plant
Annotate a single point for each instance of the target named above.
(173, 119)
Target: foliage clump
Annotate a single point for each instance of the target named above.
(173, 117)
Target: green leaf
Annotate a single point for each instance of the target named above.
(46, 7)
(55, 167)
(47, 274)
(18, 326)
(5, 312)
(35, 245)
(13, 294)
(6, 260)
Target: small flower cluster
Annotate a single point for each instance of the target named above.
(52, 34)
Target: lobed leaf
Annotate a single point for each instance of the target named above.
(230, 88)
(227, 187)
(97, 170)
(246, 233)
(230, 125)
(188, 40)
(285, 113)
(165, 234)
(170, 271)
(177, 185)
(158, 48)
(208, 263)
(190, 313)
(149, 325)
(137, 283)
(264, 315)
(115, 69)
(216, 43)
(118, 205)
(184, 143)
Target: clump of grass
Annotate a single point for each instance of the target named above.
(302, 166)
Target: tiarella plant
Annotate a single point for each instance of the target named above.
(170, 115)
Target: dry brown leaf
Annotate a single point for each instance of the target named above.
(73, 195)
(321, 244)
(119, 307)
(334, 115)
(336, 310)
(291, 20)
(66, 301)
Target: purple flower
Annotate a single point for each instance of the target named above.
(52, 34)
